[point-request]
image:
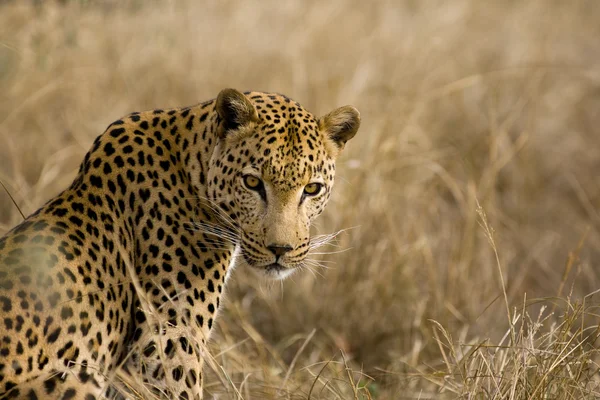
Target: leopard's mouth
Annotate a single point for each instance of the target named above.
(274, 270)
(275, 267)
(270, 268)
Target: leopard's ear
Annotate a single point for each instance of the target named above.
(235, 110)
(341, 125)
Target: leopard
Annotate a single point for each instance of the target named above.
(119, 278)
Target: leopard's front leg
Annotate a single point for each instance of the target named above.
(169, 340)
(169, 358)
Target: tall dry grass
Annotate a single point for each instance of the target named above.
(472, 191)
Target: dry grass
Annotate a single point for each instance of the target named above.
(472, 189)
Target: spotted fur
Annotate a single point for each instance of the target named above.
(123, 271)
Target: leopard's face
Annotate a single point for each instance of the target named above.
(272, 176)
(275, 198)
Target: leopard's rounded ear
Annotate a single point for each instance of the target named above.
(235, 110)
(341, 124)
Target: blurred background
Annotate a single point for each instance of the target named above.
(470, 196)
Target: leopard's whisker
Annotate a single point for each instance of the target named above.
(324, 261)
(219, 211)
(316, 264)
(215, 227)
(331, 252)
(327, 239)
(215, 231)
(220, 214)
(311, 269)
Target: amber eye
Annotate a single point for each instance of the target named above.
(313, 189)
(252, 182)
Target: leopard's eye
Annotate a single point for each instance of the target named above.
(252, 182)
(313, 189)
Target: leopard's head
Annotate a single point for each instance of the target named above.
(271, 174)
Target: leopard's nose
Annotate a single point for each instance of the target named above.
(279, 250)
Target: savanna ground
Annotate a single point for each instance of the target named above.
(472, 191)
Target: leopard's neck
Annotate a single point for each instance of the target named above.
(157, 187)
